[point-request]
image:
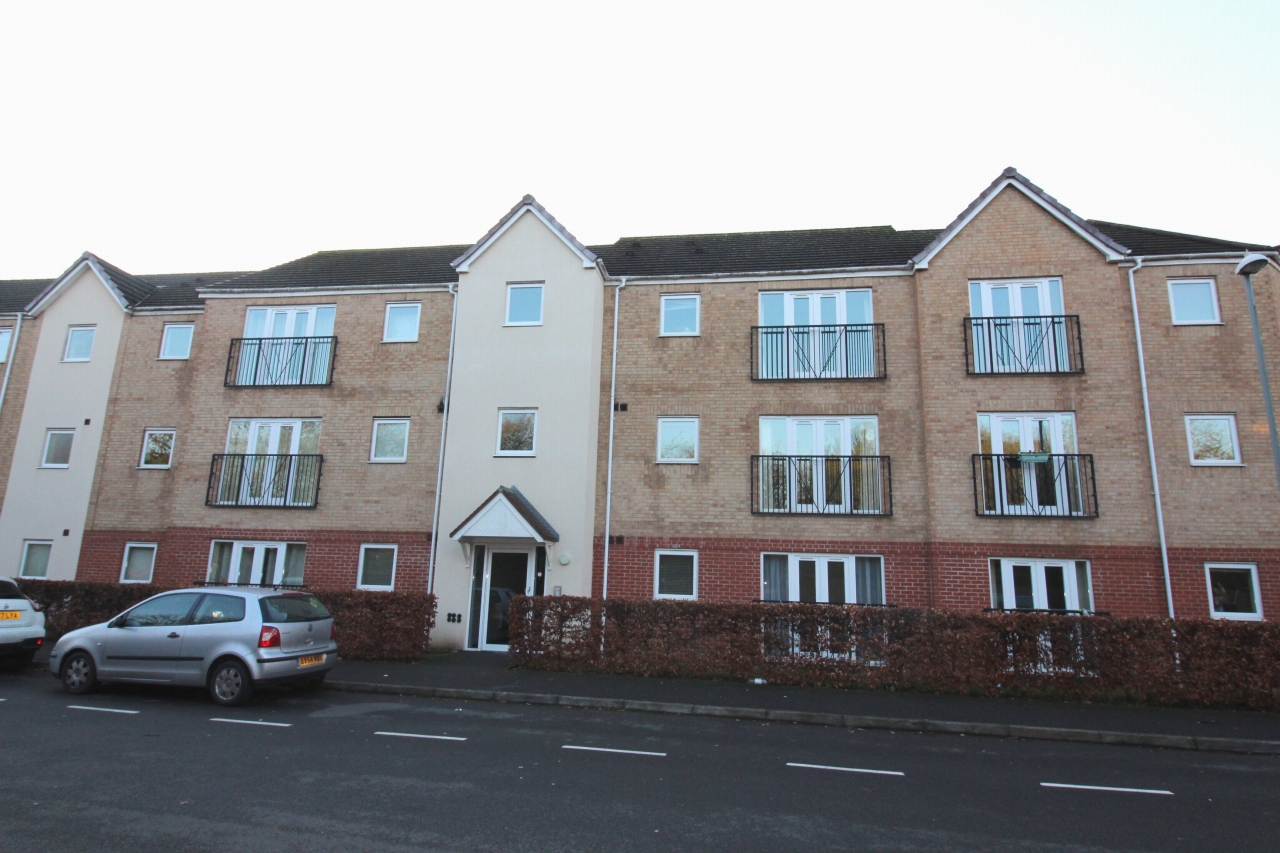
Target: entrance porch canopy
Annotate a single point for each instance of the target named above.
(506, 514)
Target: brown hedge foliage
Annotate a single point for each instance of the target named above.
(370, 625)
(1034, 654)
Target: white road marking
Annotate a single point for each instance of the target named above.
(1105, 788)
(107, 710)
(424, 737)
(621, 751)
(845, 769)
(249, 722)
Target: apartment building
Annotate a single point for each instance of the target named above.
(950, 418)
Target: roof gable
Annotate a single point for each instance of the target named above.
(526, 205)
(506, 514)
(120, 284)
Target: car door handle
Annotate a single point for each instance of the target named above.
(174, 635)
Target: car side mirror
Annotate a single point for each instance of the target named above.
(117, 622)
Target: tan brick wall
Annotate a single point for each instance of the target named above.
(16, 393)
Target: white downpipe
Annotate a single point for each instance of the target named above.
(613, 404)
(8, 362)
(1151, 442)
(444, 432)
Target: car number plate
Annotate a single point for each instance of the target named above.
(10, 614)
(310, 660)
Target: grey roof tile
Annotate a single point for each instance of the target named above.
(1149, 241)
(354, 267)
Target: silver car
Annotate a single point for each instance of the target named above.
(226, 639)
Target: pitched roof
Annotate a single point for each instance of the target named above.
(16, 294)
(354, 268)
(762, 251)
(179, 290)
(521, 505)
(1149, 241)
(528, 204)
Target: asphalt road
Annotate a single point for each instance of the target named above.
(348, 772)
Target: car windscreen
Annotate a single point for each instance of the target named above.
(295, 607)
(9, 590)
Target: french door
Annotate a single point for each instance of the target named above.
(816, 465)
(1033, 469)
(288, 346)
(259, 563)
(817, 335)
(1041, 585)
(1025, 332)
(271, 463)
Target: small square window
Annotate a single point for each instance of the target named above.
(35, 559)
(676, 574)
(517, 431)
(401, 324)
(57, 448)
(139, 561)
(157, 448)
(681, 314)
(524, 304)
(79, 343)
(1233, 591)
(6, 338)
(1194, 303)
(1212, 440)
(377, 567)
(390, 441)
(678, 440)
(175, 343)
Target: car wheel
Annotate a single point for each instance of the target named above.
(79, 675)
(229, 683)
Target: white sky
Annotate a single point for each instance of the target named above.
(169, 139)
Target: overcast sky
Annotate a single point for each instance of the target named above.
(169, 139)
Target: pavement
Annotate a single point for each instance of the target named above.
(154, 770)
(493, 672)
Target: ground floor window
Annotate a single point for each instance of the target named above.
(257, 563)
(35, 559)
(675, 574)
(822, 578)
(139, 562)
(1041, 585)
(377, 567)
(1233, 591)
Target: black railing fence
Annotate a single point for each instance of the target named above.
(1000, 345)
(280, 361)
(264, 480)
(821, 485)
(1035, 485)
(818, 352)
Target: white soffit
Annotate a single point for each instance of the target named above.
(528, 204)
(498, 520)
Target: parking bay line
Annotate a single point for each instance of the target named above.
(106, 710)
(1105, 788)
(424, 737)
(620, 751)
(845, 769)
(249, 722)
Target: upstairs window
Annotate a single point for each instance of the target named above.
(79, 343)
(157, 448)
(57, 448)
(681, 314)
(6, 337)
(524, 305)
(517, 431)
(401, 324)
(390, 440)
(1194, 303)
(678, 440)
(1034, 298)
(1212, 440)
(816, 308)
(176, 341)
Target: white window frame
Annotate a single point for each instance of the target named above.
(124, 564)
(1213, 463)
(44, 453)
(164, 337)
(395, 558)
(71, 330)
(237, 548)
(386, 323)
(1048, 288)
(662, 315)
(1257, 592)
(542, 302)
(497, 445)
(657, 562)
(1039, 592)
(6, 341)
(373, 442)
(1217, 307)
(22, 566)
(697, 439)
(822, 591)
(788, 305)
(146, 434)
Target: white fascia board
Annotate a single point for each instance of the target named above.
(356, 289)
(1192, 260)
(86, 260)
(514, 515)
(797, 275)
(529, 205)
(155, 312)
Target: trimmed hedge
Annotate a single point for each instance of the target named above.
(370, 625)
(1157, 661)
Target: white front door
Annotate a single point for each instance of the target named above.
(508, 572)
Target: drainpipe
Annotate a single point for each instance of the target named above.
(8, 362)
(444, 432)
(613, 397)
(1151, 442)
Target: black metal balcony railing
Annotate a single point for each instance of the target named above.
(1002, 345)
(1035, 485)
(264, 480)
(818, 352)
(821, 485)
(280, 361)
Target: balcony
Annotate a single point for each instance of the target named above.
(275, 362)
(277, 480)
(817, 352)
(1021, 345)
(1035, 485)
(821, 485)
